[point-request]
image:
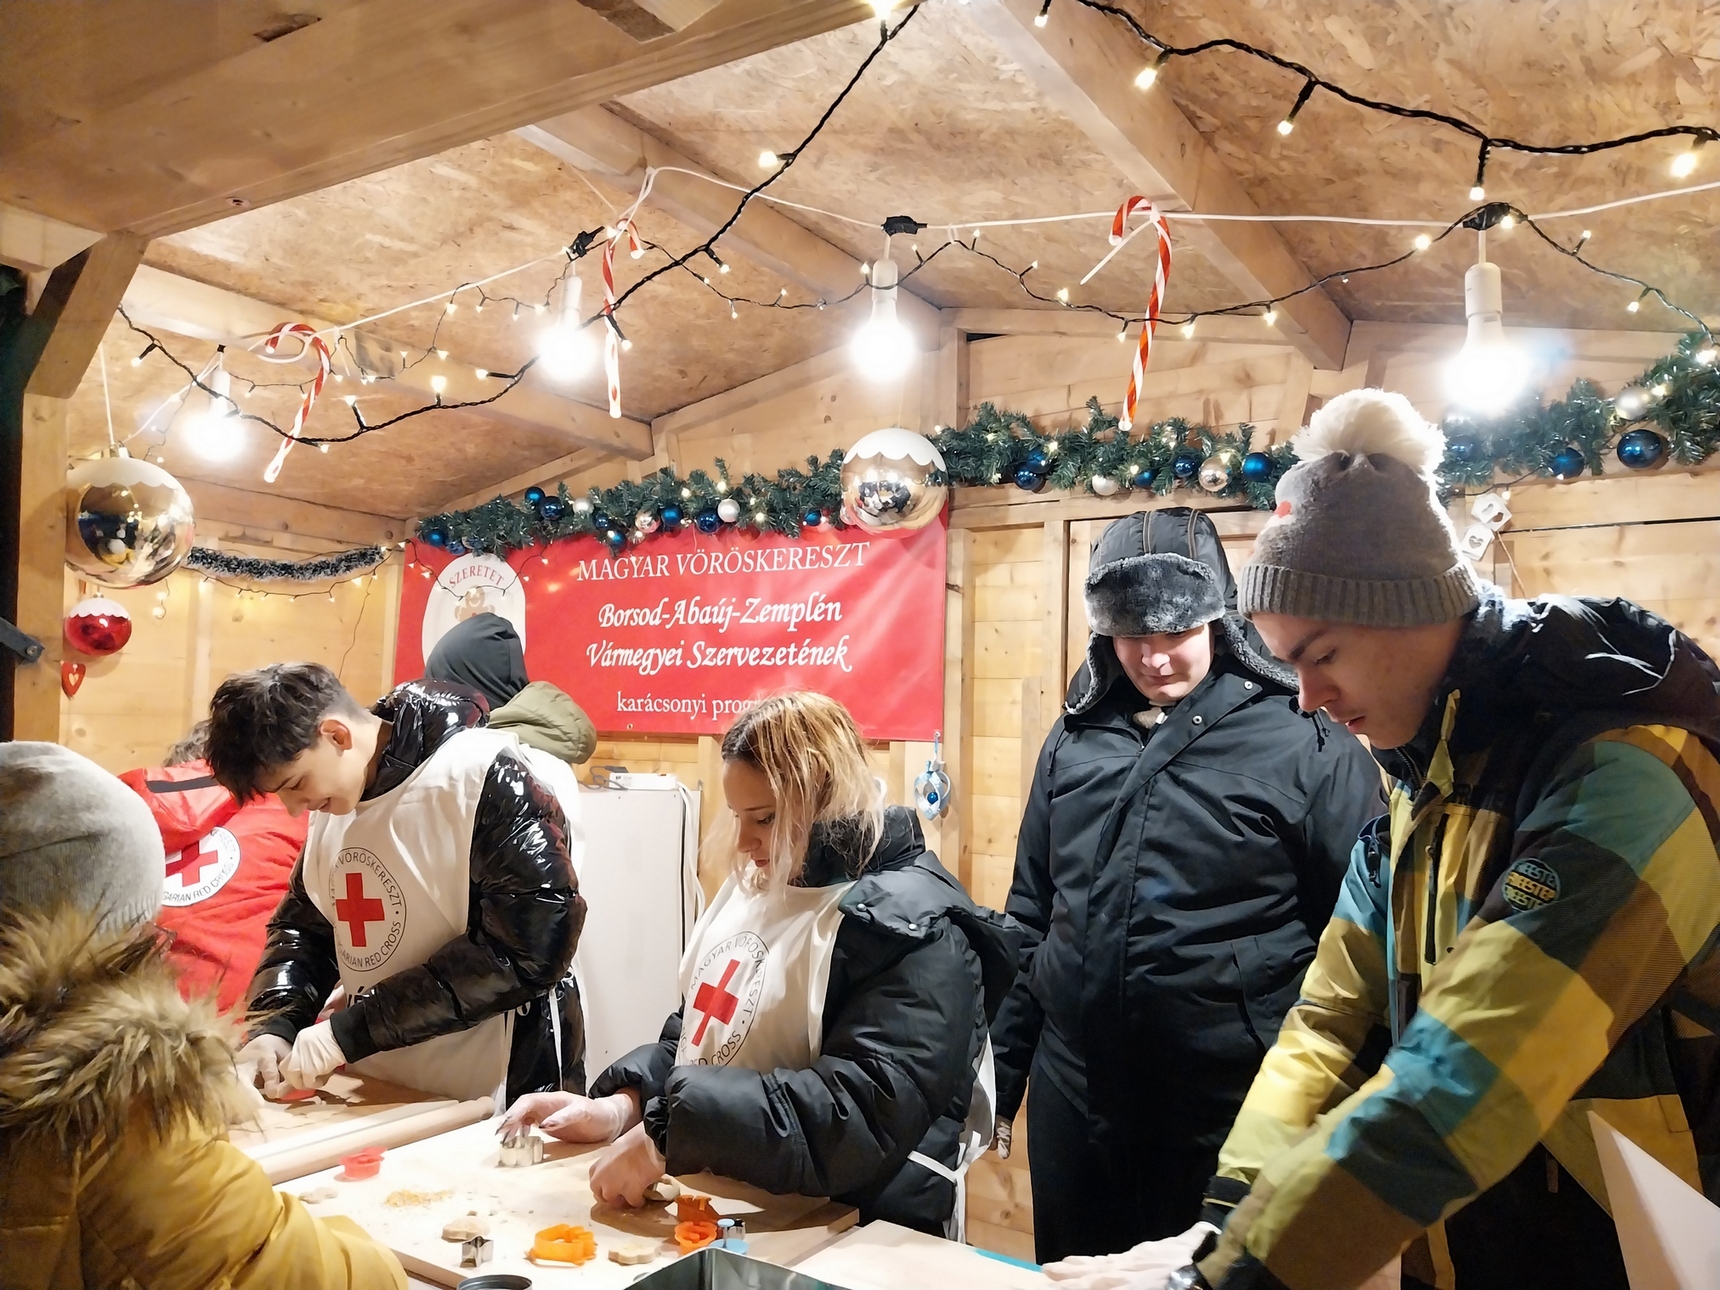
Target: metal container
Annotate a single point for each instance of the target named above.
(714, 1269)
(496, 1281)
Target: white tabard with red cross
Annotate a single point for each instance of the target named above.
(394, 880)
(754, 976)
(201, 869)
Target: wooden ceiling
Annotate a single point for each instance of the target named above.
(972, 114)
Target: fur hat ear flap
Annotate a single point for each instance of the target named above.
(1146, 595)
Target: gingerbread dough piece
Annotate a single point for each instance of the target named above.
(634, 1253)
(465, 1228)
(664, 1189)
(315, 1194)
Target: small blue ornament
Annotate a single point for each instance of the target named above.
(671, 516)
(1038, 461)
(1144, 477)
(1641, 449)
(1463, 448)
(1186, 464)
(436, 537)
(551, 509)
(601, 523)
(534, 495)
(456, 547)
(1257, 468)
(708, 520)
(1568, 462)
(812, 519)
(1029, 480)
(615, 540)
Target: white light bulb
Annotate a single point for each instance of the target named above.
(1508, 222)
(1477, 194)
(1422, 241)
(1271, 316)
(1146, 76)
(768, 160)
(1487, 374)
(883, 348)
(1286, 126)
(1633, 306)
(213, 434)
(1063, 294)
(1683, 164)
(452, 306)
(566, 351)
(438, 383)
(1188, 330)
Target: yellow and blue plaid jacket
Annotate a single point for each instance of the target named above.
(1527, 936)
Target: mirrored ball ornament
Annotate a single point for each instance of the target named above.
(887, 483)
(645, 522)
(128, 522)
(1217, 472)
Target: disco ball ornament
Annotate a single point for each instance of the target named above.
(1257, 468)
(1641, 449)
(1217, 472)
(128, 522)
(671, 516)
(1029, 480)
(728, 510)
(887, 483)
(1568, 463)
(1186, 464)
(1104, 486)
(98, 626)
(645, 522)
(708, 521)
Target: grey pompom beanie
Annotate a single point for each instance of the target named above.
(73, 835)
(1359, 535)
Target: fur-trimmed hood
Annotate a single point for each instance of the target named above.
(1162, 571)
(93, 1030)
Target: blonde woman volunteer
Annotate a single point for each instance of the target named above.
(835, 1000)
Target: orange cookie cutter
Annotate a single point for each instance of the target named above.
(695, 1235)
(690, 1208)
(565, 1243)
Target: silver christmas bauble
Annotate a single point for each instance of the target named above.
(728, 510)
(887, 482)
(128, 522)
(645, 522)
(1104, 485)
(582, 506)
(1217, 472)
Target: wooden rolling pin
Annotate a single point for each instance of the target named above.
(389, 1129)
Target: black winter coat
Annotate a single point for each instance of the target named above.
(916, 975)
(524, 922)
(1173, 885)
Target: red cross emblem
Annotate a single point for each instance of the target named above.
(355, 909)
(716, 1001)
(190, 863)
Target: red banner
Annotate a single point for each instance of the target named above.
(681, 633)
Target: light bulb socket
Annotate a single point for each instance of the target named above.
(1044, 14)
(1289, 122)
(1478, 190)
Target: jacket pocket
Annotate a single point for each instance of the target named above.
(1271, 977)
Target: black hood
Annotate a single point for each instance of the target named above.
(1172, 557)
(483, 654)
(422, 714)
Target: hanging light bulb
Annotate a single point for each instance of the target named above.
(1684, 164)
(883, 348)
(1149, 74)
(213, 434)
(1289, 122)
(566, 350)
(1487, 373)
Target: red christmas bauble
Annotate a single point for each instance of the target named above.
(98, 626)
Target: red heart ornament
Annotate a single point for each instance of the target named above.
(71, 677)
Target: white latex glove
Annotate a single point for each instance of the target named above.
(1145, 1267)
(1001, 1133)
(259, 1062)
(571, 1118)
(314, 1058)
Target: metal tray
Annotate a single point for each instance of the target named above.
(714, 1269)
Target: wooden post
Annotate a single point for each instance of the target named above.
(956, 828)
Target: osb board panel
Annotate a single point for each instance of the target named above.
(394, 237)
(393, 472)
(942, 128)
(1545, 73)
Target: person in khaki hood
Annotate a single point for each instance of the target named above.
(483, 653)
(115, 1091)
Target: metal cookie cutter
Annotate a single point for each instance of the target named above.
(477, 1251)
(521, 1148)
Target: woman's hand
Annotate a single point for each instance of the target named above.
(623, 1172)
(568, 1117)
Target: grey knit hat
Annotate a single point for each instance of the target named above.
(72, 834)
(1359, 535)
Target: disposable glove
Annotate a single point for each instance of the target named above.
(259, 1062)
(1002, 1132)
(314, 1058)
(1145, 1267)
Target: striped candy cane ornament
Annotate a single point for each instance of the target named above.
(1161, 276)
(612, 338)
(313, 344)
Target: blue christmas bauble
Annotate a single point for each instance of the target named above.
(1463, 448)
(456, 547)
(534, 495)
(1038, 461)
(1144, 477)
(812, 519)
(601, 523)
(551, 509)
(436, 537)
(616, 539)
(1257, 468)
(1641, 449)
(1029, 480)
(671, 516)
(1186, 464)
(1568, 462)
(708, 521)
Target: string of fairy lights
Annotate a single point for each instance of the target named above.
(880, 342)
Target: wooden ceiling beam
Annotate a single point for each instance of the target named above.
(270, 513)
(167, 301)
(600, 143)
(1085, 63)
(1079, 322)
(551, 472)
(35, 243)
(372, 84)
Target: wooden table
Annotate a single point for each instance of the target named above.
(425, 1184)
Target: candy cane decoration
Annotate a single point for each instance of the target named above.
(1161, 276)
(313, 344)
(612, 338)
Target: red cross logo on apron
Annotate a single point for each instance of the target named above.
(190, 863)
(356, 910)
(716, 1001)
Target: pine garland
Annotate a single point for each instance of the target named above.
(1678, 396)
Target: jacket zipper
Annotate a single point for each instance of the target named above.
(1430, 947)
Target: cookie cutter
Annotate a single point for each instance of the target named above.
(520, 1148)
